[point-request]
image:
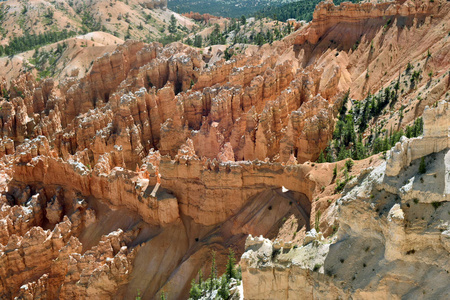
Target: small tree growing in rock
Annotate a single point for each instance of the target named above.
(349, 164)
(317, 221)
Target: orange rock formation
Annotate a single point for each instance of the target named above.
(78, 221)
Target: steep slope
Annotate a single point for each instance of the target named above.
(71, 57)
(393, 237)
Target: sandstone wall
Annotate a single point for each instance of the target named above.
(326, 15)
(79, 160)
(390, 218)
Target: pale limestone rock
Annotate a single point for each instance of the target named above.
(54, 210)
(311, 236)
(445, 239)
(435, 139)
(386, 219)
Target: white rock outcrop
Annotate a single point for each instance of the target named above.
(393, 240)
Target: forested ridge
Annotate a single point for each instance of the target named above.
(300, 10)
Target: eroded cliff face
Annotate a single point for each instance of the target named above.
(377, 41)
(80, 159)
(108, 201)
(132, 98)
(280, 100)
(151, 4)
(393, 237)
(69, 151)
(327, 15)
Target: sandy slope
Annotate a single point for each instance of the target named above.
(140, 19)
(81, 51)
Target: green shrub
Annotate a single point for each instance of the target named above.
(422, 166)
(436, 205)
(349, 164)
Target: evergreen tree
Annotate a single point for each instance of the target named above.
(377, 146)
(213, 275)
(227, 54)
(321, 158)
(200, 277)
(360, 152)
(195, 292)
(231, 270)
(31, 41)
(260, 39)
(198, 41)
(418, 127)
(330, 157)
(223, 291)
(243, 20)
(173, 24)
(349, 164)
(422, 166)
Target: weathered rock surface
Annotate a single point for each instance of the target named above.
(229, 144)
(388, 224)
(435, 139)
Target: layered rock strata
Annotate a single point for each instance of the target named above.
(79, 161)
(392, 219)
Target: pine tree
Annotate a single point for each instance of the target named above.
(173, 24)
(213, 275)
(360, 152)
(422, 166)
(317, 221)
(321, 158)
(223, 291)
(200, 277)
(195, 292)
(231, 270)
(349, 164)
(243, 20)
(343, 153)
(227, 54)
(418, 127)
(198, 41)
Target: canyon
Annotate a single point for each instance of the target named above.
(232, 145)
